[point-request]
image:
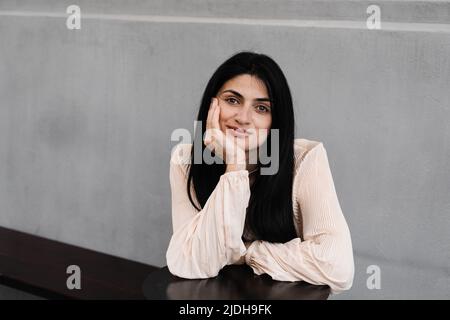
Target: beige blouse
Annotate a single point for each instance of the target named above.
(204, 242)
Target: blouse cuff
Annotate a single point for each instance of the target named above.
(249, 254)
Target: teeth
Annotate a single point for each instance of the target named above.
(240, 130)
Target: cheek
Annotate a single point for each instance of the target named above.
(264, 123)
(225, 114)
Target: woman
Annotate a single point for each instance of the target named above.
(288, 224)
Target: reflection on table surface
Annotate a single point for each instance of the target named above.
(233, 282)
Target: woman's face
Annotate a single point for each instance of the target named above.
(245, 104)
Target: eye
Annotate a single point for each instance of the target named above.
(232, 100)
(262, 108)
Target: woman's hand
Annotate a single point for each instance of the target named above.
(229, 148)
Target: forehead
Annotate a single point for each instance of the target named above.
(247, 85)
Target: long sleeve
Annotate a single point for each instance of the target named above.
(203, 242)
(325, 256)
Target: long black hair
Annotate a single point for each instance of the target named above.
(269, 213)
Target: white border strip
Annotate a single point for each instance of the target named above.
(334, 24)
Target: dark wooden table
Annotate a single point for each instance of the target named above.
(233, 282)
(38, 266)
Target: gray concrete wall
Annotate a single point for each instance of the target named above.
(86, 117)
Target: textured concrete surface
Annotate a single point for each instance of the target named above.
(86, 117)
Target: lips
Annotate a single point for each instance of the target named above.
(239, 132)
(237, 129)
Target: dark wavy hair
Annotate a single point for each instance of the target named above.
(269, 213)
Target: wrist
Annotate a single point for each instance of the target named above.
(235, 167)
(236, 162)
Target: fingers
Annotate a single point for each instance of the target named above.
(213, 115)
(213, 134)
(209, 138)
(210, 114)
(216, 115)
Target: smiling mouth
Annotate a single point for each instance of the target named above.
(238, 132)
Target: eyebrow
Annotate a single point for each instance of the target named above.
(241, 96)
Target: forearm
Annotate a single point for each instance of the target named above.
(212, 238)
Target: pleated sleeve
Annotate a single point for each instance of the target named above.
(324, 256)
(203, 242)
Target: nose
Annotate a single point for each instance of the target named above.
(243, 116)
